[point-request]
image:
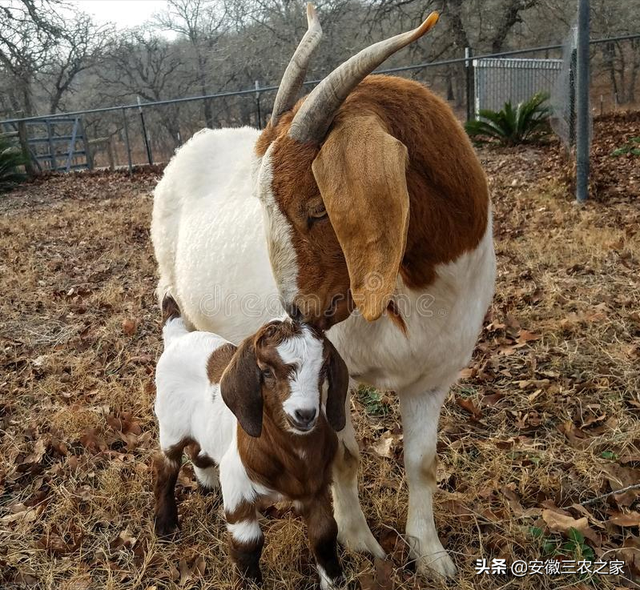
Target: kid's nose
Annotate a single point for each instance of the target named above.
(305, 417)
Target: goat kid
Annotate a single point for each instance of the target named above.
(286, 388)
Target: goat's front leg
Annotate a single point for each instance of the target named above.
(245, 536)
(353, 530)
(245, 541)
(420, 414)
(323, 536)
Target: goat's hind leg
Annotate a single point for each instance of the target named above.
(167, 467)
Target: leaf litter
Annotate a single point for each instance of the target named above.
(539, 442)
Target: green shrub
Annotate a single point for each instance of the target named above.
(527, 122)
(11, 160)
(632, 147)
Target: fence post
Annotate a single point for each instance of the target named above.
(24, 146)
(52, 147)
(257, 87)
(112, 160)
(582, 140)
(573, 68)
(468, 64)
(126, 139)
(87, 147)
(144, 133)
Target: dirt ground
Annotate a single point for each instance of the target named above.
(541, 429)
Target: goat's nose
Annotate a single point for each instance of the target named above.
(294, 312)
(305, 417)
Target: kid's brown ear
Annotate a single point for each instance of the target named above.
(241, 391)
(338, 377)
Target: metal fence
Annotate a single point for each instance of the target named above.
(501, 80)
(144, 133)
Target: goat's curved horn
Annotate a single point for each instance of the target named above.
(293, 76)
(317, 112)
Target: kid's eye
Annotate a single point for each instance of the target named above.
(267, 373)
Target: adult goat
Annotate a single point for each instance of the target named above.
(377, 220)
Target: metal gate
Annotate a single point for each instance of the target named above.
(56, 144)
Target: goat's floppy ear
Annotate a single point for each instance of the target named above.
(240, 388)
(361, 174)
(338, 377)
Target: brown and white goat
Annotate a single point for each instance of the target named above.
(273, 387)
(377, 221)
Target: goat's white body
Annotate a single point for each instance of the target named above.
(208, 235)
(187, 405)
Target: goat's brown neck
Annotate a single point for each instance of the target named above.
(296, 466)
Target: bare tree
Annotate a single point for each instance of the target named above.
(202, 23)
(29, 29)
(147, 65)
(80, 47)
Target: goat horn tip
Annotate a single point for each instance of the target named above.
(428, 24)
(312, 15)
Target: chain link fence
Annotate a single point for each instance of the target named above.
(149, 133)
(501, 80)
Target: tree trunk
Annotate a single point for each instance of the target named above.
(202, 77)
(460, 36)
(26, 93)
(609, 54)
(633, 77)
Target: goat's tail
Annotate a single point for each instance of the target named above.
(173, 324)
(170, 309)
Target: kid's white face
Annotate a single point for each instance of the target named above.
(305, 353)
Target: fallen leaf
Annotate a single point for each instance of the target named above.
(491, 399)
(124, 539)
(129, 327)
(628, 519)
(384, 445)
(621, 477)
(199, 566)
(469, 406)
(467, 373)
(561, 523)
(382, 579)
(185, 572)
(526, 336)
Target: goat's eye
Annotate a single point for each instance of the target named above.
(317, 214)
(267, 373)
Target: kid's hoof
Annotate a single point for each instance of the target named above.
(166, 527)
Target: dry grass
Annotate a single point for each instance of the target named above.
(546, 417)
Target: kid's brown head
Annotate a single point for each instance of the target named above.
(290, 372)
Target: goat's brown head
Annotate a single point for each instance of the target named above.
(281, 371)
(332, 181)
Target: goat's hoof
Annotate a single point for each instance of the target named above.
(331, 582)
(439, 564)
(360, 539)
(166, 527)
(248, 581)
